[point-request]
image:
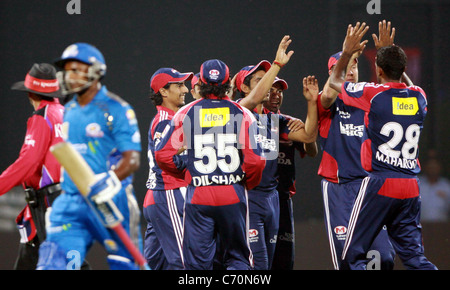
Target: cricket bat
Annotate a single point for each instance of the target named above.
(82, 176)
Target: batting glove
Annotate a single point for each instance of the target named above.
(106, 186)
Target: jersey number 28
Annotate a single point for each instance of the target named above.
(409, 148)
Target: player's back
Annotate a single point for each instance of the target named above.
(218, 134)
(221, 150)
(396, 115)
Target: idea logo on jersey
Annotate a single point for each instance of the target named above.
(405, 106)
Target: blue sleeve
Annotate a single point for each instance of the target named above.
(284, 129)
(125, 128)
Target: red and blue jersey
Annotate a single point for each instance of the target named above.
(394, 120)
(286, 163)
(341, 135)
(157, 178)
(271, 129)
(221, 147)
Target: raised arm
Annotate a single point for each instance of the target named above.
(308, 134)
(258, 94)
(352, 44)
(385, 36)
(329, 95)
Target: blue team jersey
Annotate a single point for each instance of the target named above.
(286, 165)
(395, 117)
(341, 135)
(271, 127)
(95, 130)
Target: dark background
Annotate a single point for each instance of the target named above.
(138, 37)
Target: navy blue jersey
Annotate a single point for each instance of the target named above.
(396, 114)
(286, 165)
(270, 128)
(221, 147)
(344, 126)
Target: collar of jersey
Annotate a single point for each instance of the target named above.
(100, 96)
(213, 97)
(162, 108)
(45, 103)
(396, 85)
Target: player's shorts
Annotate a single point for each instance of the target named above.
(264, 212)
(392, 201)
(163, 241)
(211, 213)
(338, 204)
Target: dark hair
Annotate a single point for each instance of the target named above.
(392, 60)
(156, 97)
(216, 90)
(248, 79)
(49, 99)
(43, 98)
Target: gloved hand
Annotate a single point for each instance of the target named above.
(107, 185)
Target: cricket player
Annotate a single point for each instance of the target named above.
(223, 162)
(36, 169)
(254, 83)
(195, 86)
(342, 126)
(96, 122)
(342, 132)
(164, 201)
(284, 255)
(389, 195)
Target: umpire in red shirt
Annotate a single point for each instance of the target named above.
(36, 169)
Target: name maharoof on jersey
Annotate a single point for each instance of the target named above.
(205, 180)
(395, 161)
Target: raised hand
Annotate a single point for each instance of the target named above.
(295, 124)
(352, 43)
(310, 88)
(386, 35)
(282, 57)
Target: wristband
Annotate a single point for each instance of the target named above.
(278, 64)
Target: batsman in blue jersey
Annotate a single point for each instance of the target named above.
(96, 123)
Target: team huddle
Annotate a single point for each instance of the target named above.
(222, 167)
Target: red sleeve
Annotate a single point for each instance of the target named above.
(31, 155)
(324, 116)
(172, 139)
(253, 163)
(356, 95)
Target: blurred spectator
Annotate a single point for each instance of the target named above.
(435, 191)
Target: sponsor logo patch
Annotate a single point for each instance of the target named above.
(405, 106)
(214, 117)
